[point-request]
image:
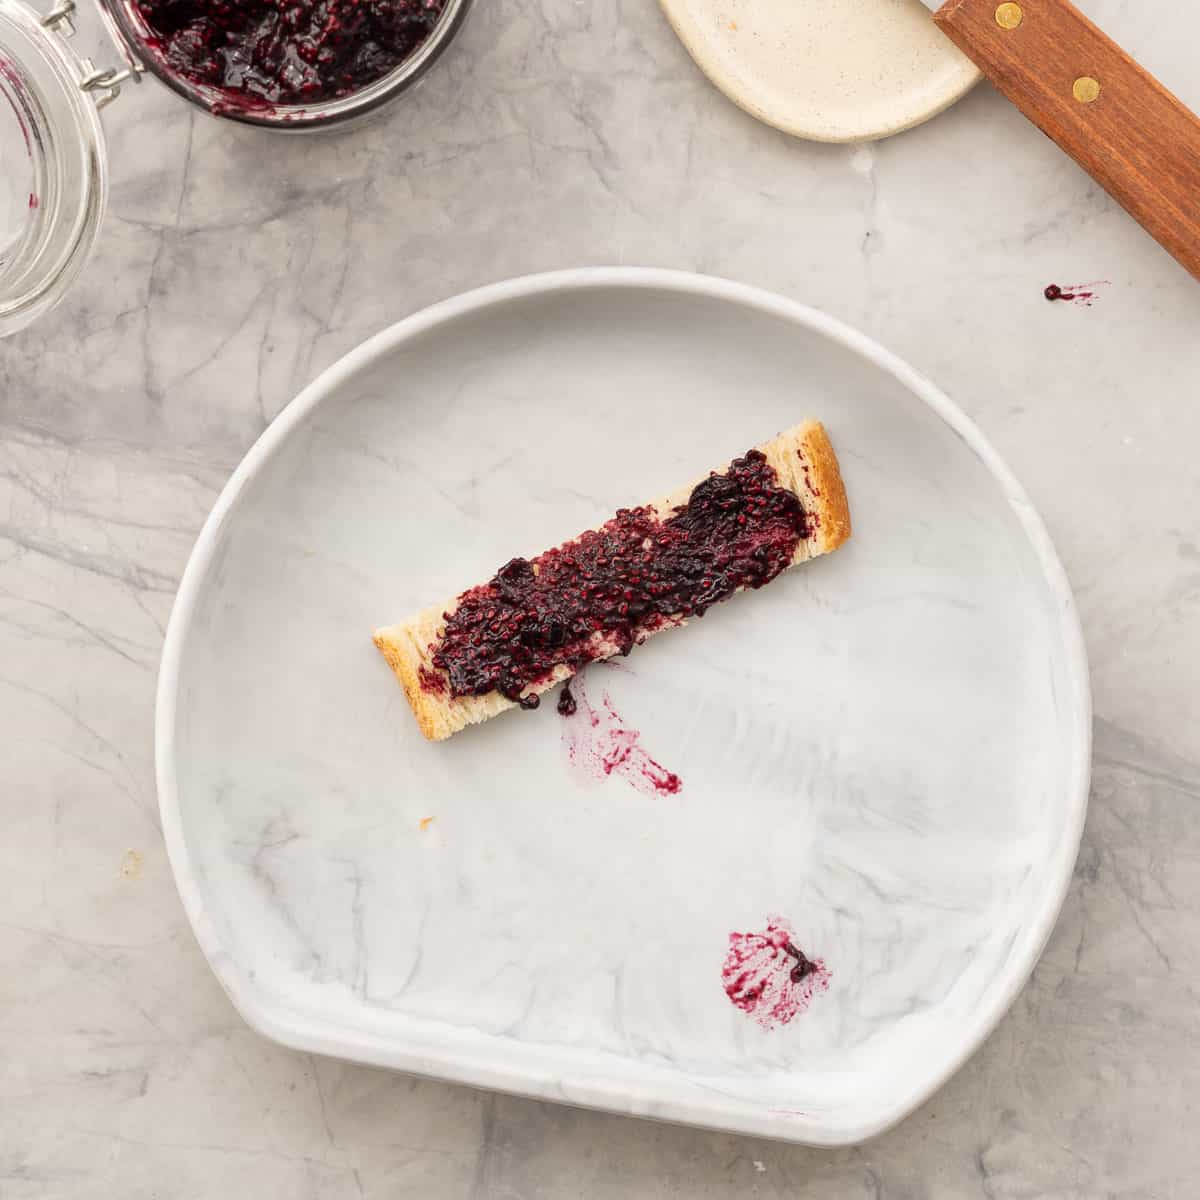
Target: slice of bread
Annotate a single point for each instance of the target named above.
(804, 462)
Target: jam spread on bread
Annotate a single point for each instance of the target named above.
(607, 590)
(287, 51)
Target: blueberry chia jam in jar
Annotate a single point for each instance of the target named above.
(288, 51)
(288, 64)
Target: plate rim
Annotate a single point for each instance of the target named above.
(812, 130)
(601, 1090)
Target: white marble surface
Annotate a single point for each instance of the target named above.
(235, 265)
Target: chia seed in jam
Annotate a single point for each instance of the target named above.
(287, 51)
(607, 590)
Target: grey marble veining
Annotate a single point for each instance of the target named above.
(234, 265)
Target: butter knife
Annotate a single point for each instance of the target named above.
(1137, 140)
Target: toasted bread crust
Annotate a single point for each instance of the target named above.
(407, 670)
(829, 492)
(804, 461)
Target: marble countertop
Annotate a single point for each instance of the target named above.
(234, 265)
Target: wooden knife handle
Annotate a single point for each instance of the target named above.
(1082, 90)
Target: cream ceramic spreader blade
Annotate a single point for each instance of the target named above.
(1137, 140)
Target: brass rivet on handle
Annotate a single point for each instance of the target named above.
(1009, 16)
(1085, 89)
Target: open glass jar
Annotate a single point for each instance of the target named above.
(53, 166)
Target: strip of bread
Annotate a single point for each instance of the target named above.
(804, 462)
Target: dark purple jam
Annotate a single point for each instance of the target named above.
(804, 965)
(1079, 292)
(287, 51)
(566, 701)
(604, 592)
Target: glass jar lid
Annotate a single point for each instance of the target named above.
(53, 167)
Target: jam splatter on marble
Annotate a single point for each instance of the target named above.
(1074, 293)
(599, 744)
(768, 977)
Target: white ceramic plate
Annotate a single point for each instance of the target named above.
(834, 71)
(890, 746)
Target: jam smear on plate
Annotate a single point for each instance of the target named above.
(287, 51)
(768, 977)
(607, 590)
(567, 705)
(600, 744)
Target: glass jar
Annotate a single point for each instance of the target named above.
(53, 163)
